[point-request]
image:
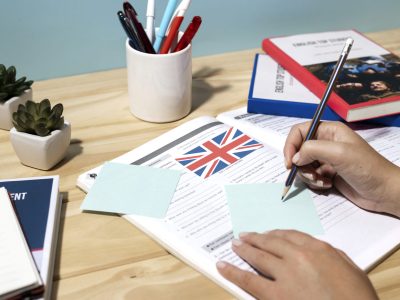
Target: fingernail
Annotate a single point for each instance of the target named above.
(236, 242)
(327, 184)
(221, 265)
(243, 234)
(296, 158)
(323, 184)
(286, 164)
(309, 176)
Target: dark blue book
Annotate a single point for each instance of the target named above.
(38, 206)
(274, 91)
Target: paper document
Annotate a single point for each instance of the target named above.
(211, 154)
(258, 208)
(127, 189)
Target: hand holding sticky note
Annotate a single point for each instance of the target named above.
(258, 208)
(131, 189)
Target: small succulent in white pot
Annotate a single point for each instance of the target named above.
(12, 93)
(40, 136)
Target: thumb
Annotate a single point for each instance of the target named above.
(329, 152)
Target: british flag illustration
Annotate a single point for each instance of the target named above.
(218, 153)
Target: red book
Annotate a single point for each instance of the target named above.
(369, 84)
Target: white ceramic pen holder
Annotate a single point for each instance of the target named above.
(159, 85)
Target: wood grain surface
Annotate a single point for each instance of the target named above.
(104, 256)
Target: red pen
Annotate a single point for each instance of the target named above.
(188, 34)
(173, 32)
(174, 27)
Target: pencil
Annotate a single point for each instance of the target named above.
(320, 109)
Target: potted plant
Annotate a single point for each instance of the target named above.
(40, 136)
(12, 93)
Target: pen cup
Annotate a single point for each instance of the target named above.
(159, 85)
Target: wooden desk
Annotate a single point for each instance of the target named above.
(102, 256)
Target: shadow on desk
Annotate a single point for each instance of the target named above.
(75, 148)
(202, 91)
(57, 258)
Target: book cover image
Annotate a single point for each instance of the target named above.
(369, 84)
(363, 79)
(35, 202)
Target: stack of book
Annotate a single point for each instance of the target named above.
(29, 217)
(291, 78)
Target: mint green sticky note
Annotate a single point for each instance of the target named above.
(131, 189)
(258, 208)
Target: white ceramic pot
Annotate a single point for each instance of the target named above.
(41, 152)
(10, 106)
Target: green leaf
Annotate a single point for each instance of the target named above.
(31, 108)
(19, 90)
(45, 113)
(15, 116)
(29, 83)
(21, 107)
(19, 128)
(9, 74)
(41, 129)
(59, 124)
(58, 110)
(23, 116)
(25, 127)
(12, 72)
(41, 120)
(44, 105)
(8, 87)
(20, 81)
(3, 96)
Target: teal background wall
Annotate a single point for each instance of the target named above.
(53, 38)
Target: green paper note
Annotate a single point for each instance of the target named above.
(258, 208)
(131, 189)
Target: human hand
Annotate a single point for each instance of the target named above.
(294, 265)
(340, 157)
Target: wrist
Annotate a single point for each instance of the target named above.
(391, 202)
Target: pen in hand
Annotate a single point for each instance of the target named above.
(320, 109)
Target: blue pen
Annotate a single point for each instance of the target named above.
(164, 24)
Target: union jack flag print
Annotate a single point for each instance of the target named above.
(218, 153)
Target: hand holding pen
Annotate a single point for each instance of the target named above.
(320, 109)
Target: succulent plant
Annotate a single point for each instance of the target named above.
(9, 86)
(38, 118)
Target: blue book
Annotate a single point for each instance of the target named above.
(38, 205)
(274, 91)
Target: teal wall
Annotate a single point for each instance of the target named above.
(53, 38)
